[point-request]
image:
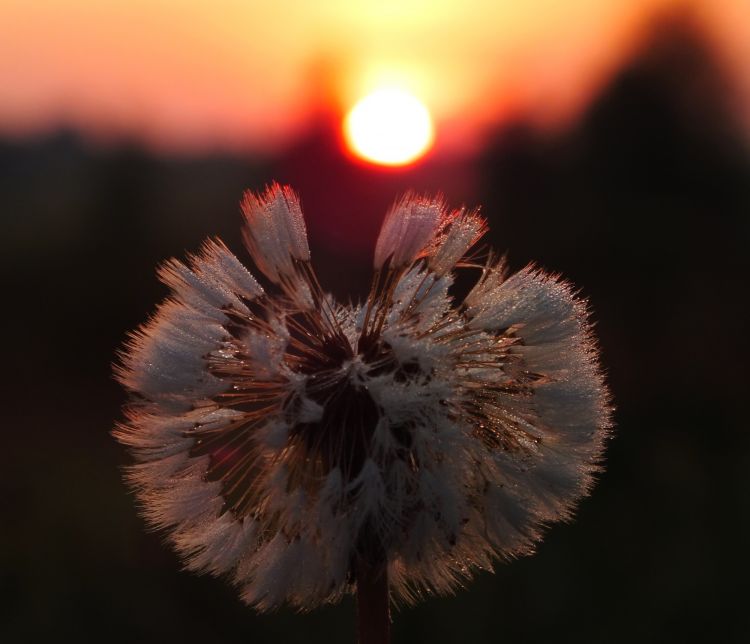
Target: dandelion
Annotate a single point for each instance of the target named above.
(307, 449)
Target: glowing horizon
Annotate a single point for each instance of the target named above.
(181, 75)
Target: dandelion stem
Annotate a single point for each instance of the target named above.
(373, 609)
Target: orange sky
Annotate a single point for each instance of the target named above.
(189, 74)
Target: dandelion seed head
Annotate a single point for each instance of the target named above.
(282, 439)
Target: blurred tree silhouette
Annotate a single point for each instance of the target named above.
(645, 205)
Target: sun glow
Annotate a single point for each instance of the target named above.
(389, 126)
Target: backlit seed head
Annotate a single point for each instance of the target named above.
(283, 439)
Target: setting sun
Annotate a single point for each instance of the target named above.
(389, 126)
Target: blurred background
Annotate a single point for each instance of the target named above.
(609, 141)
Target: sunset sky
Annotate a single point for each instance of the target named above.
(189, 75)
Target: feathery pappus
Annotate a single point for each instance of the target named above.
(284, 440)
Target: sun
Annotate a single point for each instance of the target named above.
(389, 126)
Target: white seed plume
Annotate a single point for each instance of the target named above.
(407, 230)
(283, 440)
